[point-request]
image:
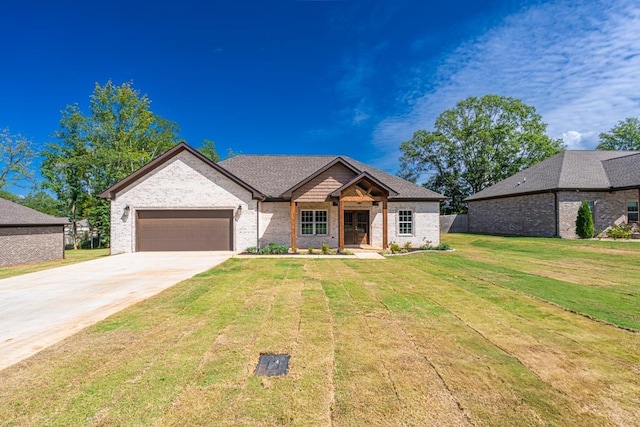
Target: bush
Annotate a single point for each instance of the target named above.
(443, 247)
(425, 247)
(325, 249)
(251, 250)
(274, 249)
(584, 222)
(310, 250)
(407, 246)
(622, 231)
(394, 247)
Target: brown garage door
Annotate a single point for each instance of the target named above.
(185, 230)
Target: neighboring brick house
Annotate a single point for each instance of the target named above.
(28, 236)
(183, 201)
(544, 199)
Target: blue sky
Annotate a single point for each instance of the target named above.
(322, 77)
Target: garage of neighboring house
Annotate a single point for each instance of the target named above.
(28, 236)
(184, 230)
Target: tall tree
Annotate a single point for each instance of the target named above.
(67, 165)
(16, 154)
(208, 148)
(474, 145)
(623, 136)
(120, 135)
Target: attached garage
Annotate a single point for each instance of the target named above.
(184, 230)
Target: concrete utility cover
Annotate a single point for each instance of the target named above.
(272, 365)
(42, 308)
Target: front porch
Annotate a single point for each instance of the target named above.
(359, 222)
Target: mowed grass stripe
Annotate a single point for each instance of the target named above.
(491, 385)
(620, 307)
(574, 370)
(402, 387)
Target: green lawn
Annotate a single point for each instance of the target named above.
(70, 257)
(504, 331)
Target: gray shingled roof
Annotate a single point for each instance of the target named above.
(14, 214)
(570, 170)
(623, 171)
(275, 174)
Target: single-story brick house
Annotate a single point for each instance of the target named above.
(544, 199)
(183, 201)
(28, 236)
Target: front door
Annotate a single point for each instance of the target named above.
(356, 227)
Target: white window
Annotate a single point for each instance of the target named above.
(314, 223)
(405, 223)
(632, 212)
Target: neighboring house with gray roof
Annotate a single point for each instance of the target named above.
(28, 236)
(543, 200)
(183, 201)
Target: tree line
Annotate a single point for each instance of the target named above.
(90, 153)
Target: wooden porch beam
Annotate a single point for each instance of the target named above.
(341, 225)
(385, 224)
(293, 224)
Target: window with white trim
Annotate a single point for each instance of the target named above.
(405, 223)
(314, 222)
(632, 211)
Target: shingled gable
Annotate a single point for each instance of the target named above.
(162, 159)
(15, 215)
(338, 160)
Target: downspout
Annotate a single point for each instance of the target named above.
(557, 213)
(258, 225)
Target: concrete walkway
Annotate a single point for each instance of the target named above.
(42, 308)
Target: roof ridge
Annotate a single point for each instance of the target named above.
(563, 157)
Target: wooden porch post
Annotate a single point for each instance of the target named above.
(385, 225)
(293, 224)
(341, 225)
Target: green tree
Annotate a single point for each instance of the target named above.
(41, 201)
(208, 149)
(118, 136)
(584, 222)
(16, 154)
(67, 166)
(474, 145)
(623, 136)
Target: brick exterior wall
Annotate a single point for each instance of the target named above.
(531, 215)
(426, 223)
(24, 245)
(534, 215)
(184, 182)
(608, 209)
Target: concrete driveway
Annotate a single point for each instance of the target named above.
(42, 308)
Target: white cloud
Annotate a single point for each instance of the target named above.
(578, 63)
(572, 140)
